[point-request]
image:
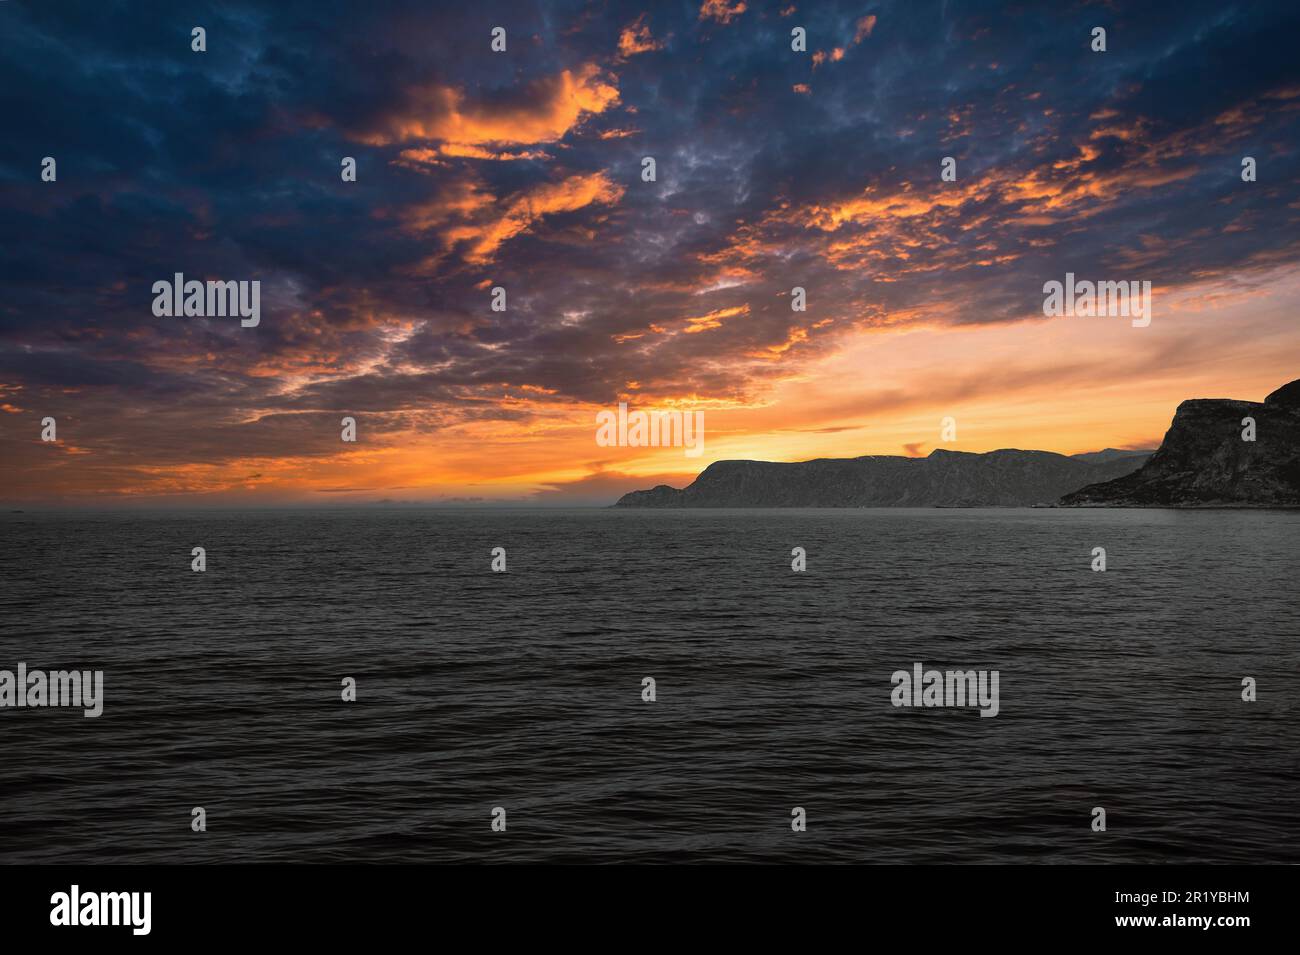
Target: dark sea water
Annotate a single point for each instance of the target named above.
(523, 690)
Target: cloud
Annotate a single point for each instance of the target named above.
(636, 38)
(501, 222)
(522, 170)
(434, 156)
(722, 10)
(544, 112)
(713, 319)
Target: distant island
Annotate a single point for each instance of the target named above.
(1007, 478)
(1203, 461)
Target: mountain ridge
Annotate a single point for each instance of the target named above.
(1205, 460)
(1007, 477)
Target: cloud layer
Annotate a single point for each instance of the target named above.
(523, 170)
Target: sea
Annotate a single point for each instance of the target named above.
(503, 716)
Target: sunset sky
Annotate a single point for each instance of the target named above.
(523, 169)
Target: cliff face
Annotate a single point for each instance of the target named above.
(1204, 461)
(946, 478)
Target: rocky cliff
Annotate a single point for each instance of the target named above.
(1007, 478)
(1204, 460)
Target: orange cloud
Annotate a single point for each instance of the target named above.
(774, 352)
(550, 108)
(459, 199)
(525, 209)
(864, 28)
(871, 206)
(721, 10)
(468, 151)
(636, 38)
(714, 319)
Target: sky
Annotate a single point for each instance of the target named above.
(523, 169)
